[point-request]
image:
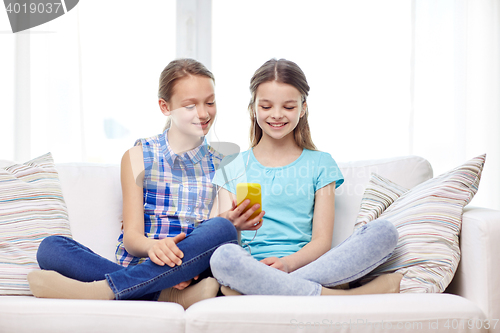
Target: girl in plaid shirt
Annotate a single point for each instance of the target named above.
(167, 237)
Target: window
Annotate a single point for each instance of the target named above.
(93, 80)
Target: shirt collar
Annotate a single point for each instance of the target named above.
(194, 155)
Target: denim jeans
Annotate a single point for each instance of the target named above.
(367, 248)
(143, 281)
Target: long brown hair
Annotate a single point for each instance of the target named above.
(175, 70)
(288, 72)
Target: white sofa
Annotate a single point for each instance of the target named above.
(93, 196)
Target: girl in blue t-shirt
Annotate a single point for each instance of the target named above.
(289, 251)
(167, 239)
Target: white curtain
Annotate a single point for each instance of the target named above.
(456, 90)
(91, 77)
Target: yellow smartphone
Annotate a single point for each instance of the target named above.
(250, 191)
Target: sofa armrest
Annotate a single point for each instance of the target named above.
(477, 276)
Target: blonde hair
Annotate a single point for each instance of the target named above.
(175, 70)
(288, 72)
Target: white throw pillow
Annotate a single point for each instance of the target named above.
(31, 208)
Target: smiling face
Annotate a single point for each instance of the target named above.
(192, 106)
(278, 108)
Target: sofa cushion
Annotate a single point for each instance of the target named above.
(31, 208)
(26, 314)
(363, 313)
(428, 219)
(407, 171)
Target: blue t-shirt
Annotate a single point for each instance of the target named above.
(287, 198)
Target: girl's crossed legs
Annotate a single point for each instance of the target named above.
(143, 281)
(367, 248)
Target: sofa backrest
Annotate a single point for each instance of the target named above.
(407, 171)
(92, 193)
(93, 196)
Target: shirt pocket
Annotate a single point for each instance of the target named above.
(162, 199)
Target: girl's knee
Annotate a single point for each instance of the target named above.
(224, 257)
(47, 248)
(50, 242)
(224, 228)
(388, 232)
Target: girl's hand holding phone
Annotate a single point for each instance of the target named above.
(246, 212)
(165, 251)
(240, 218)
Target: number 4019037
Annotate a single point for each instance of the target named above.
(33, 8)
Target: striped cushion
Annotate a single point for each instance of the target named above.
(31, 208)
(428, 218)
(379, 194)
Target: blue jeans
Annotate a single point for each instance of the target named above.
(367, 248)
(143, 281)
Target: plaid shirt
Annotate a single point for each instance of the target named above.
(178, 190)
